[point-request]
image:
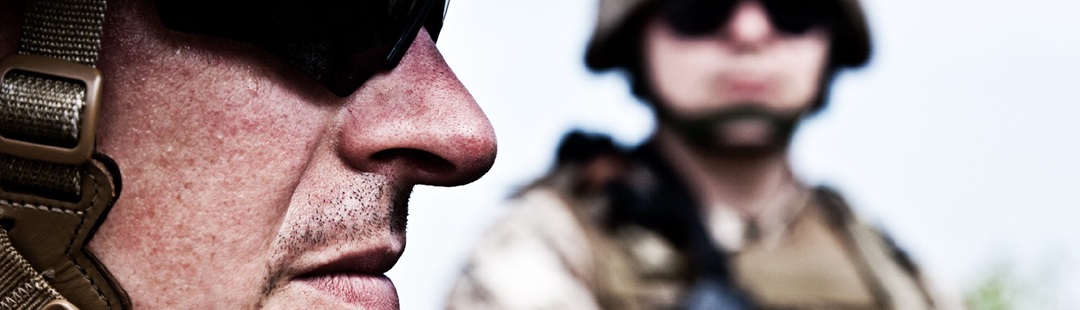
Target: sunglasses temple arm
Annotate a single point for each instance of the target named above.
(406, 39)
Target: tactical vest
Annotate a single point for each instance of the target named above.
(656, 253)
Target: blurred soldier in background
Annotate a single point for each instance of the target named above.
(707, 213)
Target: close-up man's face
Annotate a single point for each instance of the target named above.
(745, 60)
(248, 184)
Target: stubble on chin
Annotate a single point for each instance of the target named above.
(371, 207)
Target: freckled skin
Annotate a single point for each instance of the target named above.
(237, 169)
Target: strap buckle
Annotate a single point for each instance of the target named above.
(58, 68)
(59, 305)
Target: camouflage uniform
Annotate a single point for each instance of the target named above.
(642, 244)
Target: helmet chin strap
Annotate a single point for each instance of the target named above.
(746, 130)
(55, 191)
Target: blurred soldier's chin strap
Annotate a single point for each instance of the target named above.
(54, 190)
(713, 132)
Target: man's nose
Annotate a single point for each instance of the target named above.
(749, 24)
(417, 123)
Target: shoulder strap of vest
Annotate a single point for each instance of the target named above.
(887, 268)
(652, 197)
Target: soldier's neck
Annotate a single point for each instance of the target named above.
(747, 185)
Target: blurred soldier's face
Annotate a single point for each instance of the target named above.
(736, 83)
(745, 61)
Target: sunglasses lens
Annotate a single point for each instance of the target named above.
(704, 17)
(340, 44)
(796, 16)
(697, 17)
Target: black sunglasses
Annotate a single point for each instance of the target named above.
(340, 44)
(704, 17)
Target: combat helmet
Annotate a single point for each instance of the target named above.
(619, 22)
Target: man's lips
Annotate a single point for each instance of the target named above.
(746, 87)
(367, 291)
(355, 278)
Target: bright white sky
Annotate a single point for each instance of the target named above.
(958, 138)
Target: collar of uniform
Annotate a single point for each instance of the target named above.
(732, 230)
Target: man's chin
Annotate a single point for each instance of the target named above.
(344, 291)
(746, 130)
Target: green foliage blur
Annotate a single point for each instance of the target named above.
(1000, 290)
(1006, 287)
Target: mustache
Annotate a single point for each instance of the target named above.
(369, 208)
(348, 216)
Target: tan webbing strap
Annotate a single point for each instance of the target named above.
(64, 29)
(20, 286)
(43, 109)
(48, 111)
(35, 176)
